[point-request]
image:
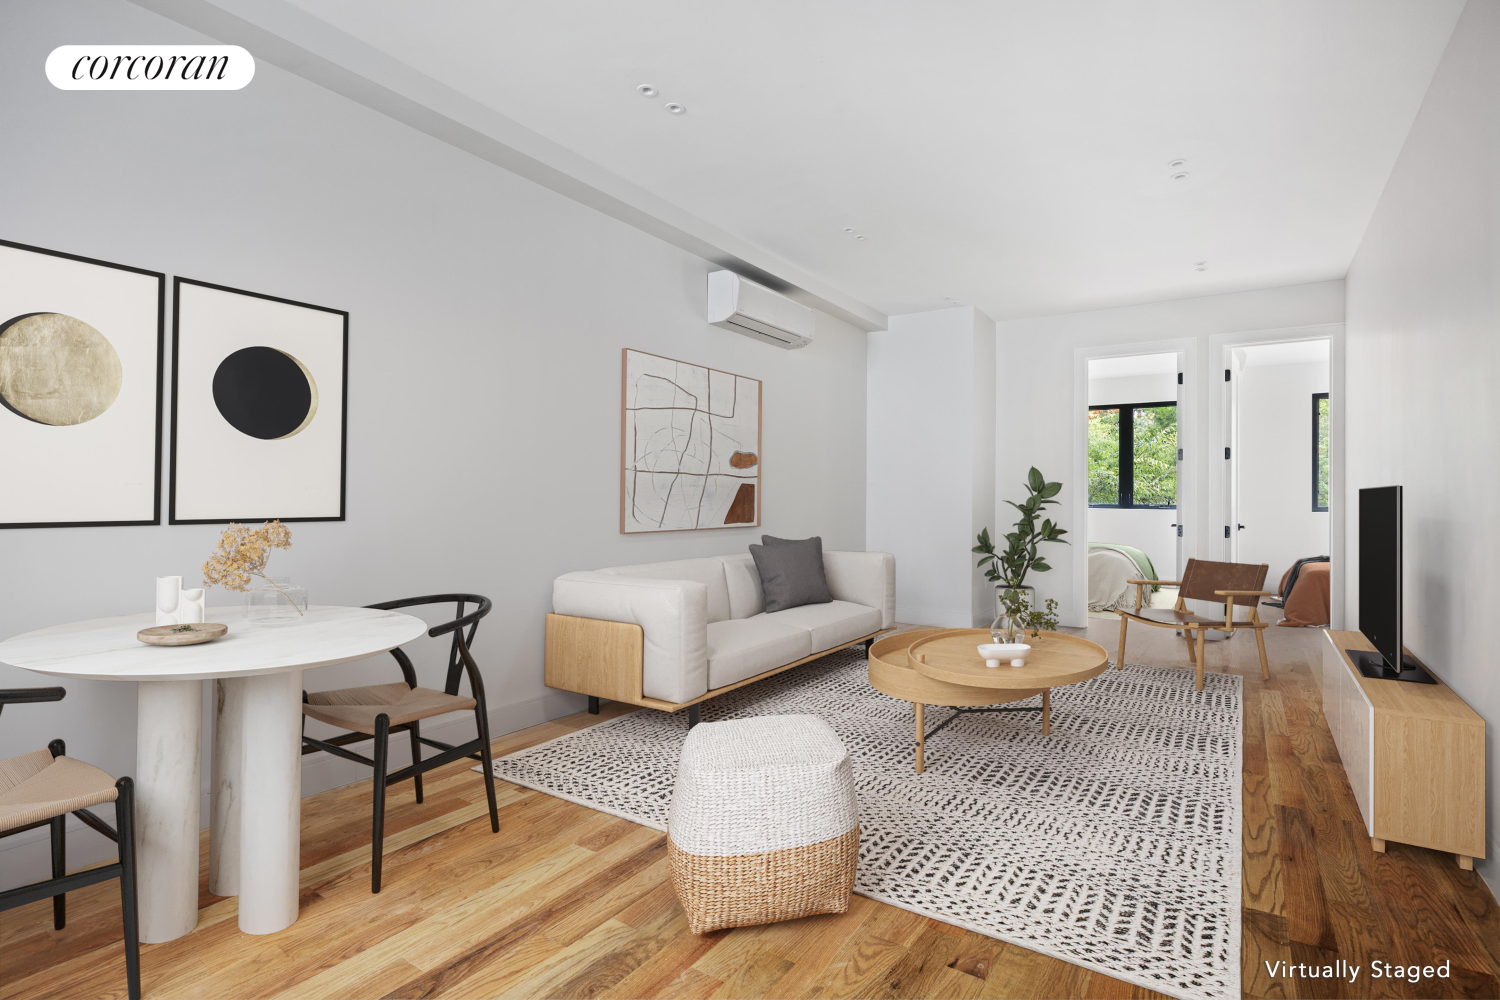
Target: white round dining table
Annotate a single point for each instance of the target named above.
(255, 832)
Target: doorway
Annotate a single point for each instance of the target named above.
(1278, 473)
(1134, 519)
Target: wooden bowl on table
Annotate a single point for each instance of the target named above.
(182, 635)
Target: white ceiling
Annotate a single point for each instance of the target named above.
(1010, 154)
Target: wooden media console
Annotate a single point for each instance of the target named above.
(1414, 754)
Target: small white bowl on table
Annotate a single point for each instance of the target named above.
(994, 652)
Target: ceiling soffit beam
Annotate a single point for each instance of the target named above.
(288, 37)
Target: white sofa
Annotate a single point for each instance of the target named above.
(671, 633)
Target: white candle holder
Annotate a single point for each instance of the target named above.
(175, 606)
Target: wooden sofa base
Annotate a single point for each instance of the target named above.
(602, 659)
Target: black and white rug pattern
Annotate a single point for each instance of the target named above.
(1113, 843)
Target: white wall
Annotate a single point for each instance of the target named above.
(1036, 359)
(1275, 466)
(487, 315)
(982, 461)
(1423, 350)
(1132, 389)
(1148, 529)
(931, 460)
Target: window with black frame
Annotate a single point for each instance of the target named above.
(1133, 455)
(1321, 476)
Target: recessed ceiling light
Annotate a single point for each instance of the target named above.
(646, 90)
(1177, 164)
(1181, 175)
(848, 229)
(674, 107)
(859, 236)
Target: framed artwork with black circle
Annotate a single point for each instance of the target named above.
(80, 390)
(258, 407)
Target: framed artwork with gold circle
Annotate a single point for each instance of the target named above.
(80, 390)
(258, 412)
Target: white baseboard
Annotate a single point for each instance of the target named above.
(27, 857)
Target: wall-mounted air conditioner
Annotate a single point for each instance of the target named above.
(756, 311)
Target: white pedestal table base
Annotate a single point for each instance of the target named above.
(169, 730)
(258, 805)
(224, 833)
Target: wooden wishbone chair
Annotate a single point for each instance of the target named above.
(40, 789)
(379, 710)
(1216, 582)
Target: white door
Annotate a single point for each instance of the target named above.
(1179, 526)
(1232, 523)
(1276, 515)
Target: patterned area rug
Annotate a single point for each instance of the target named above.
(1114, 843)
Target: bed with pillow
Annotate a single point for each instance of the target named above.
(1110, 565)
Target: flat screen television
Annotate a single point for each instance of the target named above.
(1380, 605)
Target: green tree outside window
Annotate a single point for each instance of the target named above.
(1147, 447)
(1104, 456)
(1155, 466)
(1321, 421)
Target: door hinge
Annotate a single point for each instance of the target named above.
(1226, 452)
(1179, 454)
(1179, 378)
(1226, 531)
(1226, 374)
(1179, 530)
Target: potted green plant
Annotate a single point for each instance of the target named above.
(1008, 569)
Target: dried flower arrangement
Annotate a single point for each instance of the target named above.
(242, 554)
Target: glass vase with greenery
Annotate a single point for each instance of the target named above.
(1017, 617)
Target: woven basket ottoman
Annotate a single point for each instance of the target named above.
(764, 825)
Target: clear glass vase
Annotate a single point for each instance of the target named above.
(275, 600)
(1007, 627)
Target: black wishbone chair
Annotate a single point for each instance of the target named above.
(380, 710)
(40, 789)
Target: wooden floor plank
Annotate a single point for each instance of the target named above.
(567, 901)
(812, 942)
(1266, 947)
(678, 950)
(1261, 872)
(859, 967)
(927, 968)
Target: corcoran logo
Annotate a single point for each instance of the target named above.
(150, 67)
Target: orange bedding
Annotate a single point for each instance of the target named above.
(1307, 604)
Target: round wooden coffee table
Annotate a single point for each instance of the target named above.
(943, 667)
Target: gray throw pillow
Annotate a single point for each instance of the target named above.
(791, 572)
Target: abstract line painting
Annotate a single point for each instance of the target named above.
(690, 447)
